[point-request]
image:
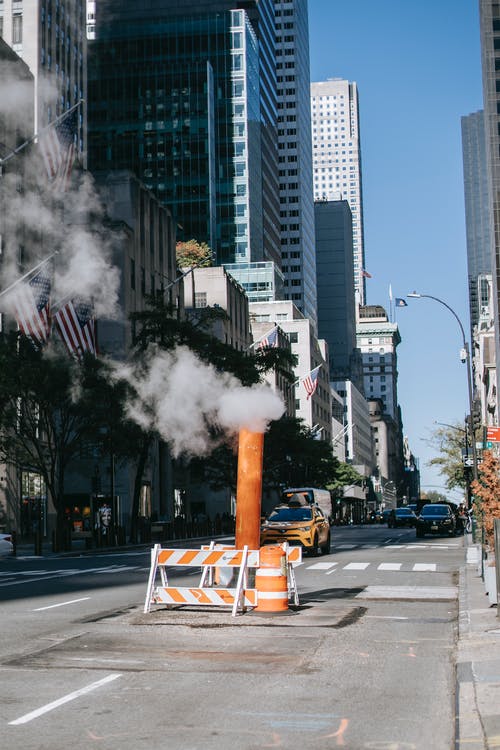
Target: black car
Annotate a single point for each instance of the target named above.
(436, 518)
(401, 517)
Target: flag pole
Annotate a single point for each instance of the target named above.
(260, 339)
(36, 135)
(28, 273)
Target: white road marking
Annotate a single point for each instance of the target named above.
(344, 546)
(389, 566)
(424, 566)
(321, 566)
(47, 575)
(386, 617)
(61, 604)
(408, 592)
(61, 701)
(356, 566)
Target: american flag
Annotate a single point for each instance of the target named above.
(76, 325)
(58, 148)
(269, 340)
(310, 382)
(31, 307)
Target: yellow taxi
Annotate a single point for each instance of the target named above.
(297, 523)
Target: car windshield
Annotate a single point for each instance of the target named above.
(435, 510)
(291, 514)
(403, 512)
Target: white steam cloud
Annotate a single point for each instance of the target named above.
(73, 227)
(182, 398)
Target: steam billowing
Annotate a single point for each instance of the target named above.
(183, 399)
(31, 217)
(188, 403)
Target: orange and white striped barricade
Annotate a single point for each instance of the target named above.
(293, 558)
(238, 597)
(218, 574)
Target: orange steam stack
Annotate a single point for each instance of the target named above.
(249, 489)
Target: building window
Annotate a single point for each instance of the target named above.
(17, 29)
(200, 299)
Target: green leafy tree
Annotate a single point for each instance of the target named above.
(193, 254)
(434, 497)
(449, 441)
(43, 420)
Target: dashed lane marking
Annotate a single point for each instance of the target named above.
(356, 566)
(389, 566)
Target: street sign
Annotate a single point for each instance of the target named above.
(493, 434)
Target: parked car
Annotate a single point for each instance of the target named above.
(436, 518)
(401, 517)
(297, 524)
(6, 546)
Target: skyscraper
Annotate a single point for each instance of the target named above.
(337, 158)
(185, 96)
(489, 19)
(477, 207)
(294, 156)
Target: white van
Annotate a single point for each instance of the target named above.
(322, 498)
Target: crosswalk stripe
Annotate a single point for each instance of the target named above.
(389, 566)
(322, 566)
(356, 566)
(424, 566)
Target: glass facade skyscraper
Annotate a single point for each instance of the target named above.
(181, 96)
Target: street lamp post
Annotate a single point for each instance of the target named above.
(465, 344)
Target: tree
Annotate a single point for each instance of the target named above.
(193, 254)
(44, 419)
(449, 441)
(435, 497)
(487, 494)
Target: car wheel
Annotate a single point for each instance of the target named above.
(325, 549)
(314, 549)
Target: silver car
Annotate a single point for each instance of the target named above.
(6, 546)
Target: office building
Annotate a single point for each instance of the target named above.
(489, 18)
(335, 288)
(294, 156)
(186, 97)
(314, 410)
(477, 207)
(377, 341)
(337, 158)
(50, 38)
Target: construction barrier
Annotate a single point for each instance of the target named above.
(239, 597)
(271, 580)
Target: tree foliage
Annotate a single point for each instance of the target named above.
(449, 441)
(487, 493)
(193, 254)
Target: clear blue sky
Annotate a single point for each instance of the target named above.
(418, 70)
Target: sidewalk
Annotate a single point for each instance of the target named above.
(478, 661)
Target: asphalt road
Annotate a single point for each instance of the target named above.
(365, 661)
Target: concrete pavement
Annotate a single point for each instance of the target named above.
(478, 661)
(477, 655)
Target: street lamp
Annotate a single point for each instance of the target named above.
(467, 361)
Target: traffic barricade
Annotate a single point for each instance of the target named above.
(239, 597)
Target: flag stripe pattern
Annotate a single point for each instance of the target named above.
(58, 149)
(269, 340)
(311, 381)
(76, 325)
(31, 307)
